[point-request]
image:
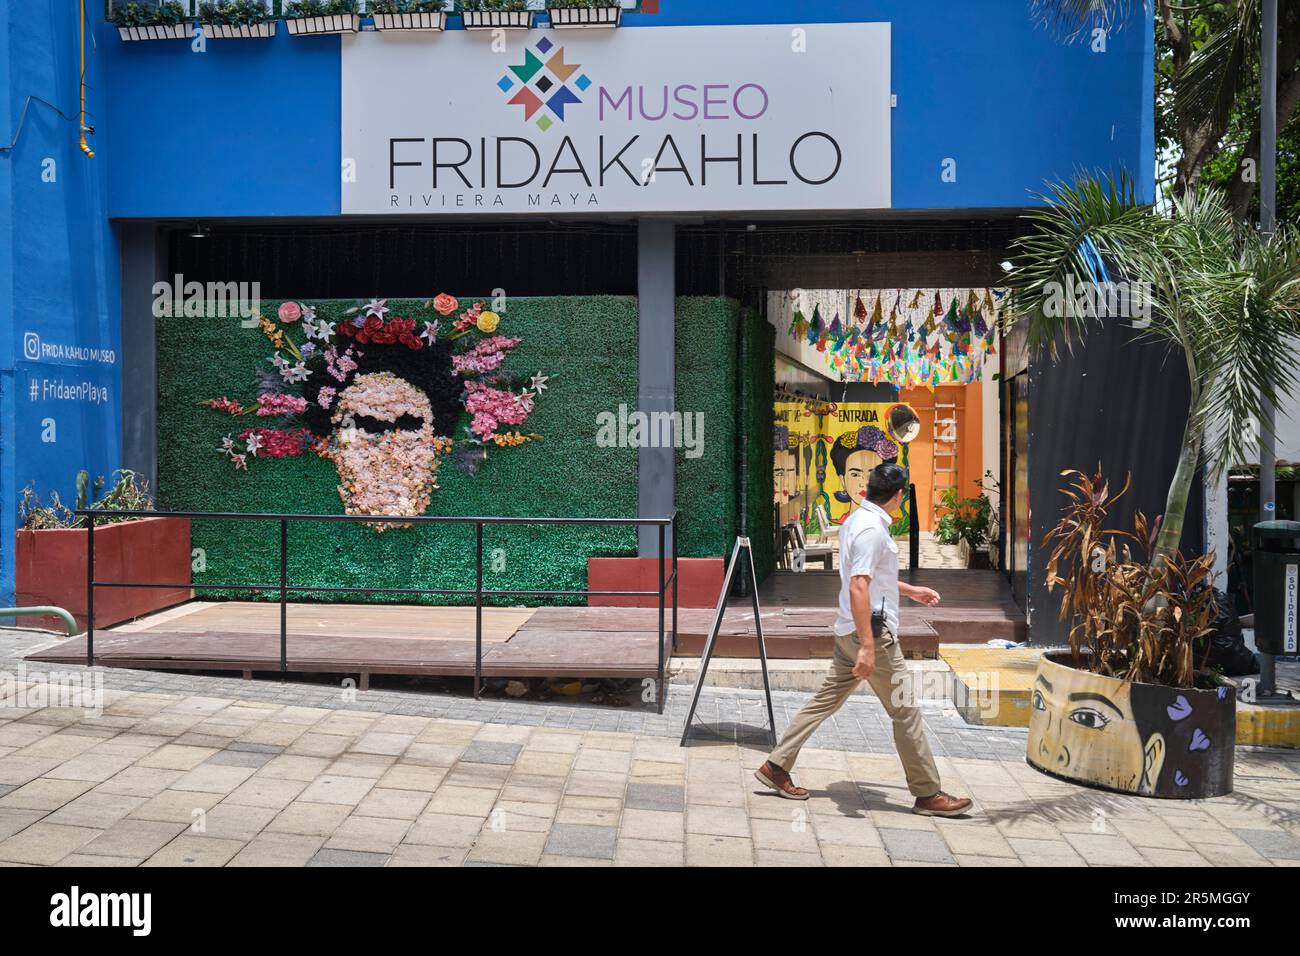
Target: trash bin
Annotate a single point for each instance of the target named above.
(1277, 586)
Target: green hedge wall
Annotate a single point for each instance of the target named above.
(587, 345)
(758, 384)
(706, 382)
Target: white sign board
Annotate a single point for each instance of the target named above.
(646, 119)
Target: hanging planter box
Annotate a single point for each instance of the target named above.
(578, 18)
(159, 31)
(498, 19)
(328, 23)
(426, 22)
(243, 31)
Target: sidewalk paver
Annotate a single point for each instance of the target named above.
(194, 770)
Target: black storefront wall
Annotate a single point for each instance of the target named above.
(1114, 400)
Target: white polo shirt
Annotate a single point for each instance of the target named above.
(866, 547)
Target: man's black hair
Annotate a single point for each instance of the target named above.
(884, 481)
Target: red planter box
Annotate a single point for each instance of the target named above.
(699, 583)
(51, 569)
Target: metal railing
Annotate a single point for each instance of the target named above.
(284, 588)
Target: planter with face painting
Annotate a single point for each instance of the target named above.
(1132, 737)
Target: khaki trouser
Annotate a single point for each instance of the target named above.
(887, 681)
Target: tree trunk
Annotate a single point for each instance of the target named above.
(1242, 190)
(1171, 531)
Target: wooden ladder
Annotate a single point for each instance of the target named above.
(943, 473)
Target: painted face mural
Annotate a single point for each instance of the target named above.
(855, 454)
(1125, 736)
(383, 402)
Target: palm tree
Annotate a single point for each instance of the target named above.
(1224, 298)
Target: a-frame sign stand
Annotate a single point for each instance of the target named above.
(741, 543)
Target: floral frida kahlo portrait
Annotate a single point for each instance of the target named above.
(381, 397)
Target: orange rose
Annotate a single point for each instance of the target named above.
(445, 304)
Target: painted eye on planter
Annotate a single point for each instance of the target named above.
(1039, 703)
(1087, 717)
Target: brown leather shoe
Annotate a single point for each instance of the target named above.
(941, 805)
(773, 777)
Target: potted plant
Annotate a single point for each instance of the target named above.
(425, 15)
(1227, 301)
(236, 19)
(1132, 706)
(496, 14)
(166, 21)
(316, 17)
(50, 554)
(584, 14)
(965, 522)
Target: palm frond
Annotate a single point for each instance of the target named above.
(1087, 232)
(1221, 69)
(1070, 19)
(1251, 351)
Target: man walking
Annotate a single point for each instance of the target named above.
(869, 583)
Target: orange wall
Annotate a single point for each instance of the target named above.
(970, 455)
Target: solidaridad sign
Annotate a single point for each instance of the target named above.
(697, 119)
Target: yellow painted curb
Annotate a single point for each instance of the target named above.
(991, 686)
(1268, 726)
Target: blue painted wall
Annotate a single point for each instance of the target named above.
(251, 128)
(59, 312)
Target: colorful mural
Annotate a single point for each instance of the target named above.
(824, 451)
(382, 398)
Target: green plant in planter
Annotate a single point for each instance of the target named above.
(234, 13)
(963, 518)
(406, 6)
(128, 493)
(1226, 301)
(319, 8)
(579, 4)
(1137, 620)
(493, 6)
(143, 15)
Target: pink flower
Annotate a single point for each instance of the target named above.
(486, 356)
(490, 408)
(280, 403)
(290, 312)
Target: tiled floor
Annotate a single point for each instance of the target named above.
(200, 771)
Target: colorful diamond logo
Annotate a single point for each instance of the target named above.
(544, 82)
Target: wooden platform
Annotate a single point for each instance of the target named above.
(798, 614)
(379, 639)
